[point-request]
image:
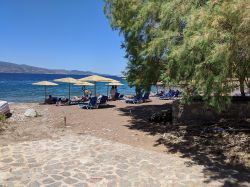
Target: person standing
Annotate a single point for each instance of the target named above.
(112, 93)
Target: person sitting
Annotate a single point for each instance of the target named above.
(51, 100)
(86, 93)
(61, 101)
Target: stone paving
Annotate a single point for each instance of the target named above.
(89, 161)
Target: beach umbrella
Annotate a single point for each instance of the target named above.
(68, 80)
(159, 83)
(84, 84)
(114, 83)
(45, 84)
(95, 79)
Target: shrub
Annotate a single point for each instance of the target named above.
(2, 118)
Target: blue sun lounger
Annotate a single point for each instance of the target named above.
(102, 101)
(170, 95)
(90, 104)
(135, 100)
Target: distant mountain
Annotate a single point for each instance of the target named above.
(7, 67)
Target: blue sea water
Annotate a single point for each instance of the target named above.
(19, 88)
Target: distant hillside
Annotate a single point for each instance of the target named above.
(7, 67)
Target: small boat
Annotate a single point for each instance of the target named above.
(4, 107)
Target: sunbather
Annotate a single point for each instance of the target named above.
(51, 100)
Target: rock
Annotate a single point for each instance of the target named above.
(30, 113)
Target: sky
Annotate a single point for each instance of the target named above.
(60, 34)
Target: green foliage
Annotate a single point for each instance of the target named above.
(215, 49)
(2, 118)
(199, 44)
(137, 22)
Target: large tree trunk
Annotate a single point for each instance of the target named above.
(242, 87)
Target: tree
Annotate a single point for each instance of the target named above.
(202, 43)
(137, 21)
(215, 50)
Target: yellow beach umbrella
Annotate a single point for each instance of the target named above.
(114, 83)
(95, 79)
(68, 80)
(84, 84)
(159, 83)
(81, 83)
(45, 84)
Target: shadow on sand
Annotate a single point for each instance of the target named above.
(209, 150)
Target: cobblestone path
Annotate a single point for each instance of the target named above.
(90, 161)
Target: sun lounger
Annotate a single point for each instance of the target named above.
(117, 95)
(77, 101)
(121, 97)
(102, 101)
(170, 95)
(90, 104)
(51, 100)
(145, 97)
(135, 100)
(4, 108)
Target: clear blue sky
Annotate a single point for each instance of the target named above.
(67, 34)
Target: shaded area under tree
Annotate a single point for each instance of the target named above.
(224, 153)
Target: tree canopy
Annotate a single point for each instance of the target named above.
(204, 45)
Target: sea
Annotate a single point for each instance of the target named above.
(18, 87)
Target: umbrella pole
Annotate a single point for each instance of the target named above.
(45, 94)
(95, 89)
(108, 90)
(69, 92)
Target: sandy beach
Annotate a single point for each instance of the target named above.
(115, 122)
(122, 131)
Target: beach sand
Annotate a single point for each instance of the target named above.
(120, 122)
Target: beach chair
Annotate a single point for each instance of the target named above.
(145, 97)
(4, 108)
(76, 101)
(168, 95)
(121, 97)
(90, 104)
(135, 100)
(171, 95)
(117, 95)
(177, 93)
(102, 101)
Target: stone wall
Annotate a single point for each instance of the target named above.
(196, 112)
